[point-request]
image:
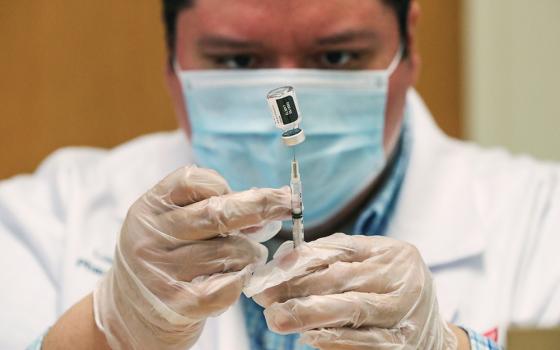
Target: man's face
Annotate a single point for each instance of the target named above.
(324, 34)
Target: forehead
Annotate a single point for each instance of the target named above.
(286, 20)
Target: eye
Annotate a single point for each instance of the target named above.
(338, 59)
(240, 61)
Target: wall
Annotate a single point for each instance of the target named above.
(78, 73)
(90, 73)
(512, 72)
(440, 44)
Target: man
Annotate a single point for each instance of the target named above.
(483, 223)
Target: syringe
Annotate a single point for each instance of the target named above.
(285, 112)
(297, 204)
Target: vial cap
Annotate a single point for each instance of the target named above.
(293, 137)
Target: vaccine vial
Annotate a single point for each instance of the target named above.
(286, 114)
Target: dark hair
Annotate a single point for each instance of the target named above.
(401, 8)
(171, 9)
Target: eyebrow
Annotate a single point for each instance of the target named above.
(346, 37)
(220, 42)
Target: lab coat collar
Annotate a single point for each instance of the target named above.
(148, 159)
(437, 209)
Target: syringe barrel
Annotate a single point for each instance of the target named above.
(297, 232)
(296, 188)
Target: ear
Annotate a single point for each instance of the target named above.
(412, 25)
(178, 99)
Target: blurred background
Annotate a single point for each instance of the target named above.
(91, 73)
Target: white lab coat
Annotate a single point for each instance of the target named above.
(486, 223)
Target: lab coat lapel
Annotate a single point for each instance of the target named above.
(437, 209)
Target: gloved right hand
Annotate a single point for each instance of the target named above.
(181, 257)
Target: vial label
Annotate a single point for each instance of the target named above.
(287, 108)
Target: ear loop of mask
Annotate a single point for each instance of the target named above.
(176, 66)
(396, 61)
(178, 72)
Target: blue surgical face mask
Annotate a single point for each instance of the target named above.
(343, 114)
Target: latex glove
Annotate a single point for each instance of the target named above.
(352, 292)
(181, 258)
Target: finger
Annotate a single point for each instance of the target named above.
(307, 258)
(252, 229)
(207, 296)
(389, 261)
(264, 232)
(195, 300)
(185, 186)
(223, 214)
(205, 258)
(355, 339)
(352, 248)
(352, 309)
(371, 276)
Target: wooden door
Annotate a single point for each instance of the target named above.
(441, 46)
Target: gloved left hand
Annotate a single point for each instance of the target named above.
(353, 292)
